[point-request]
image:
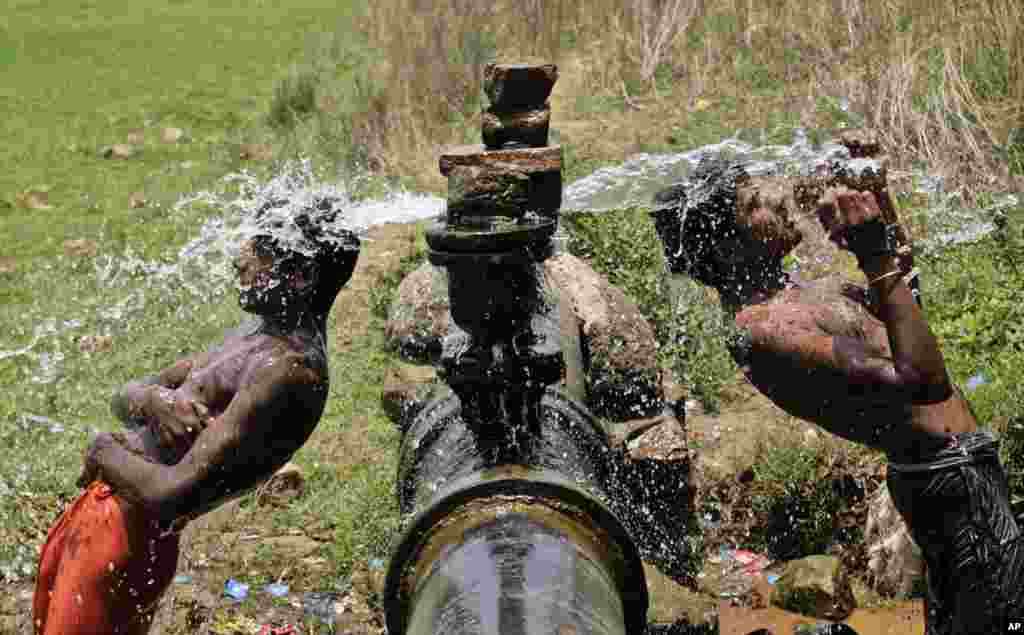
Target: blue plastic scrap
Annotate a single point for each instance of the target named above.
(276, 589)
(235, 589)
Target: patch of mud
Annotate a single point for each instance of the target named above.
(902, 618)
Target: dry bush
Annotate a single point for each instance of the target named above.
(943, 82)
(432, 55)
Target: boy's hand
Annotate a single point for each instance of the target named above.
(175, 422)
(91, 469)
(856, 223)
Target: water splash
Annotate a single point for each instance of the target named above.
(635, 181)
(200, 272)
(259, 207)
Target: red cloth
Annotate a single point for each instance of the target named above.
(103, 568)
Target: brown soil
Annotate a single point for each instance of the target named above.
(904, 618)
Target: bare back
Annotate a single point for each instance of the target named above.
(801, 328)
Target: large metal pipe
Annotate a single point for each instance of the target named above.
(511, 548)
(501, 483)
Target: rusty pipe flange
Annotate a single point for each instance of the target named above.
(524, 233)
(538, 490)
(533, 254)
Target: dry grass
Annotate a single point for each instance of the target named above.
(944, 83)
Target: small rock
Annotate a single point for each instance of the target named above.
(95, 343)
(137, 200)
(118, 151)
(622, 374)
(817, 586)
(407, 388)
(80, 248)
(623, 379)
(895, 562)
(284, 486)
(171, 135)
(34, 199)
(136, 137)
(255, 152)
(327, 103)
(656, 493)
(419, 318)
(811, 436)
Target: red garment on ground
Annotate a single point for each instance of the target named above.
(103, 568)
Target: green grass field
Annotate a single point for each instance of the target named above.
(78, 77)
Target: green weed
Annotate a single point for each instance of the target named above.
(974, 294)
(795, 501)
(688, 322)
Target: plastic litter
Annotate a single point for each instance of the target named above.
(276, 589)
(235, 589)
(320, 604)
(823, 628)
(377, 563)
(772, 578)
(751, 563)
(978, 379)
(182, 579)
(287, 629)
(55, 427)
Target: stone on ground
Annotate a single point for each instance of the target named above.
(407, 388)
(80, 248)
(817, 586)
(95, 343)
(419, 318)
(622, 373)
(255, 152)
(895, 563)
(285, 485)
(623, 380)
(654, 496)
(171, 135)
(137, 200)
(34, 199)
(118, 151)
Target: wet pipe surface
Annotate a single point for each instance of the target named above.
(515, 575)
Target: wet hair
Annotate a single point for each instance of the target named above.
(692, 218)
(308, 235)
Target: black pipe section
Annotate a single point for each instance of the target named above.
(528, 542)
